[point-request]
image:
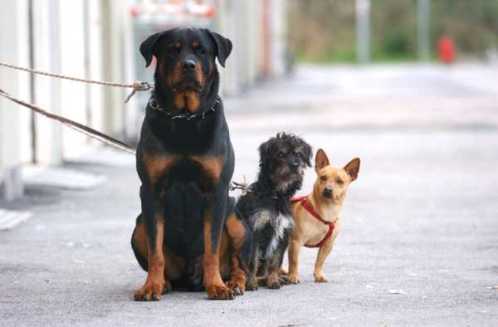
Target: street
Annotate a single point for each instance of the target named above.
(419, 244)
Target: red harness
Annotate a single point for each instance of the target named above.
(309, 207)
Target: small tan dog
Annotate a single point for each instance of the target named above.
(317, 215)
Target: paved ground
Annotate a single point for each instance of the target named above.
(420, 238)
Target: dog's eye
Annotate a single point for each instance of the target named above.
(323, 178)
(200, 50)
(281, 154)
(174, 49)
(339, 181)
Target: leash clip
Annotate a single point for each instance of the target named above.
(138, 86)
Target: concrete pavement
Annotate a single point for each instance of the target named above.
(420, 239)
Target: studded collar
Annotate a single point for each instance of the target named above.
(154, 105)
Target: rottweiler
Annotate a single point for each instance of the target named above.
(185, 162)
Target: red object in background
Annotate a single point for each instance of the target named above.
(446, 49)
(134, 11)
(211, 12)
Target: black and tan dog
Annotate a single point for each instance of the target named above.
(185, 162)
(265, 208)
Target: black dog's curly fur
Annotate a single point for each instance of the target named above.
(265, 208)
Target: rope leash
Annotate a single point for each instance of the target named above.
(136, 86)
(72, 124)
(90, 132)
(96, 134)
(243, 186)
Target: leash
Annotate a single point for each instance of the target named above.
(72, 124)
(243, 186)
(136, 86)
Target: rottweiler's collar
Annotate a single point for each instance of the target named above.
(155, 106)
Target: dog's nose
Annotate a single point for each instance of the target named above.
(189, 64)
(327, 192)
(294, 163)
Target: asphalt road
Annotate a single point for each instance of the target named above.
(419, 245)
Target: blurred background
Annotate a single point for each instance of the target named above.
(272, 38)
(392, 30)
(99, 40)
(409, 86)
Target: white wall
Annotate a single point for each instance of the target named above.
(47, 90)
(278, 36)
(243, 23)
(240, 21)
(69, 39)
(73, 100)
(13, 49)
(59, 47)
(115, 57)
(63, 29)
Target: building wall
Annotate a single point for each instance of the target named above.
(81, 38)
(47, 93)
(258, 32)
(278, 37)
(94, 39)
(13, 49)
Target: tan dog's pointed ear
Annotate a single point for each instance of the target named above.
(353, 168)
(321, 160)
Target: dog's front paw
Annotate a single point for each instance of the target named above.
(237, 285)
(284, 279)
(294, 279)
(151, 291)
(219, 292)
(252, 284)
(273, 282)
(320, 279)
(274, 285)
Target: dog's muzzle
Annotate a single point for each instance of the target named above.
(327, 193)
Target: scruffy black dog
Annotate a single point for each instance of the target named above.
(265, 208)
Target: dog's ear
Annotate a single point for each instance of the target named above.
(308, 153)
(148, 47)
(223, 46)
(265, 150)
(353, 168)
(321, 160)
